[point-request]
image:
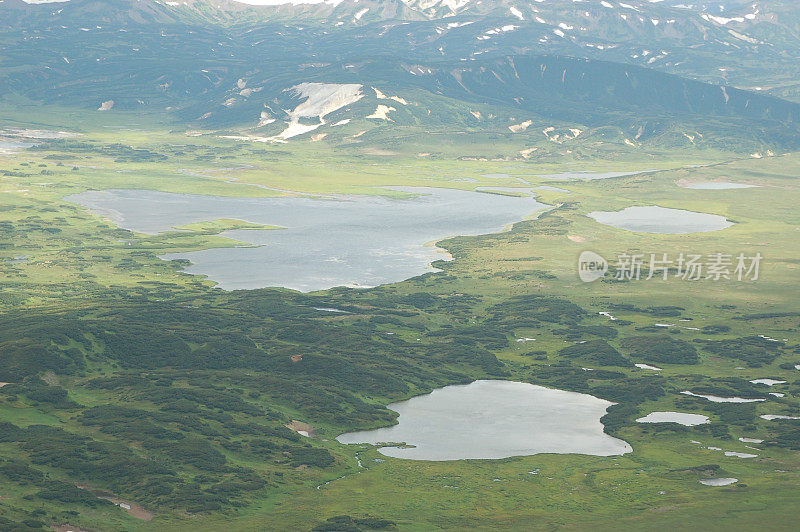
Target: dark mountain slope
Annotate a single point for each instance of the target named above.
(151, 56)
(642, 103)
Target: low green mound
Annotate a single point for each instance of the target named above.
(661, 349)
(754, 350)
(598, 352)
(215, 227)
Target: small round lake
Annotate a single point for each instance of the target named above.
(654, 219)
(492, 419)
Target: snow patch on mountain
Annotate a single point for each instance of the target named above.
(516, 128)
(285, 2)
(321, 99)
(381, 96)
(324, 98)
(382, 112)
(427, 5)
(721, 20)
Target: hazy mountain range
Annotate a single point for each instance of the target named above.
(718, 73)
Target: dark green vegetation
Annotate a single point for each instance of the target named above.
(346, 523)
(661, 349)
(756, 351)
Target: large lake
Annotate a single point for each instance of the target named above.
(493, 419)
(332, 241)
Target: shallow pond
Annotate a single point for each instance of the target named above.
(751, 440)
(647, 366)
(768, 382)
(589, 175)
(682, 418)
(11, 146)
(493, 419)
(715, 185)
(332, 241)
(718, 399)
(654, 219)
(736, 454)
(718, 481)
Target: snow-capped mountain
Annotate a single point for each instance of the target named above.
(511, 66)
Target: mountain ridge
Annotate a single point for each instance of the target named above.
(148, 55)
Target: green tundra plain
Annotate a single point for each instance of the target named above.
(132, 381)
